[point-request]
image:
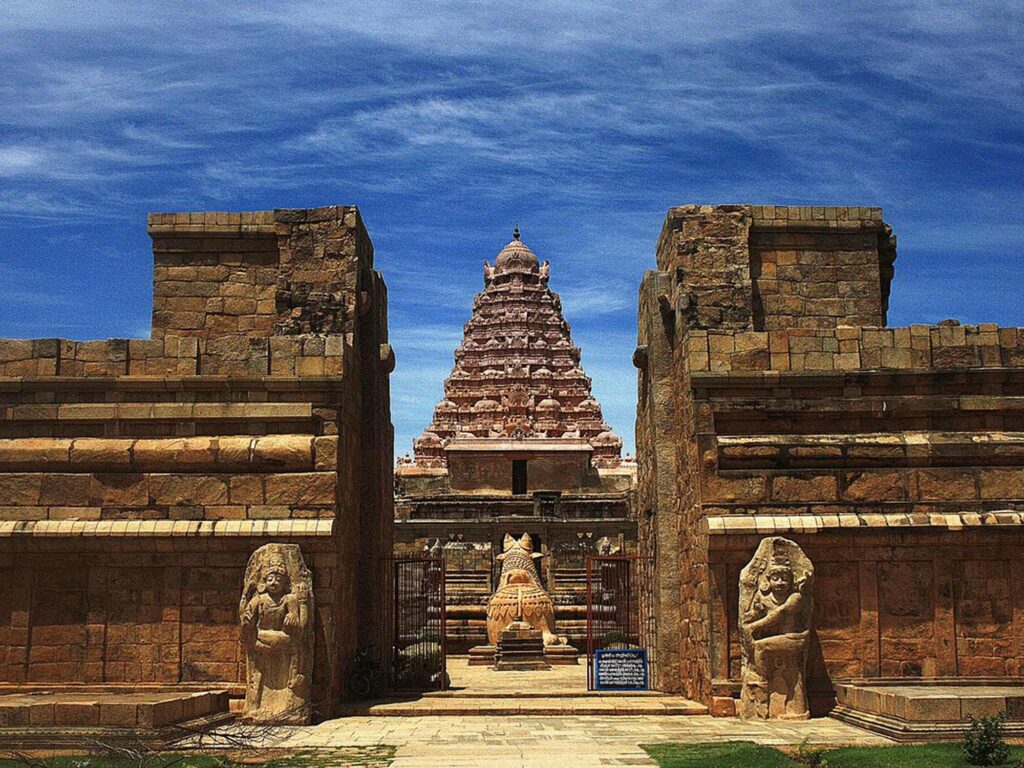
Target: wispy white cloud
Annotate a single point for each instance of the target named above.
(19, 300)
(595, 300)
(15, 160)
(430, 338)
(446, 122)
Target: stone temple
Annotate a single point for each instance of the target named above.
(518, 442)
(825, 517)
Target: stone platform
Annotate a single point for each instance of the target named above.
(561, 690)
(938, 709)
(520, 649)
(75, 715)
(484, 655)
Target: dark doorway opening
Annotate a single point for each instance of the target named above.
(420, 653)
(519, 476)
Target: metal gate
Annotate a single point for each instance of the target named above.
(419, 660)
(619, 609)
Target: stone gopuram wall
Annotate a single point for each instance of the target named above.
(774, 401)
(137, 476)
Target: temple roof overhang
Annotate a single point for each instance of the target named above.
(519, 445)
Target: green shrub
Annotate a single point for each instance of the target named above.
(417, 666)
(812, 757)
(615, 639)
(983, 742)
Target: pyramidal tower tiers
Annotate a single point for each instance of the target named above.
(517, 377)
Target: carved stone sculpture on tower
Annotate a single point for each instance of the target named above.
(776, 606)
(520, 596)
(276, 613)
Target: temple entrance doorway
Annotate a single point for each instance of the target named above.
(430, 682)
(520, 477)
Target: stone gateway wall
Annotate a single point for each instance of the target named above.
(145, 610)
(774, 401)
(137, 476)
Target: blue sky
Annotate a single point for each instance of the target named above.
(446, 123)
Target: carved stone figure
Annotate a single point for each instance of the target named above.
(775, 627)
(520, 596)
(276, 613)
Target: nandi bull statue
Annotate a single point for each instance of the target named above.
(520, 596)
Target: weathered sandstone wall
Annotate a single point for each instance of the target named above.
(774, 401)
(137, 476)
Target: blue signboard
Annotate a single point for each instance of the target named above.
(620, 669)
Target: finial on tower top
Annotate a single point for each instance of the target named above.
(515, 232)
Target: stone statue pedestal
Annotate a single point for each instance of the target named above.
(561, 654)
(521, 616)
(520, 648)
(482, 656)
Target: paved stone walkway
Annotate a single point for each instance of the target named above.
(549, 742)
(560, 680)
(561, 690)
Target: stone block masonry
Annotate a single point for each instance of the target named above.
(138, 475)
(773, 399)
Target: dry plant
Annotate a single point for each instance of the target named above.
(225, 744)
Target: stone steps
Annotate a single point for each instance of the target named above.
(927, 709)
(501, 706)
(74, 716)
(541, 693)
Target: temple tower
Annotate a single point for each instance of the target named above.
(517, 385)
(518, 434)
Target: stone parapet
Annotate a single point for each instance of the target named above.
(830, 216)
(166, 528)
(259, 273)
(171, 355)
(213, 223)
(756, 268)
(768, 525)
(856, 348)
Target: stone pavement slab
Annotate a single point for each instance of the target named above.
(558, 742)
(535, 705)
(561, 690)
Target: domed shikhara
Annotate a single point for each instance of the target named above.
(517, 373)
(516, 255)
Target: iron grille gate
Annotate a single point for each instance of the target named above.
(619, 610)
(420, 649)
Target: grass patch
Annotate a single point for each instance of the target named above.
(909, 756)
(731, 754)
(745, 754)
